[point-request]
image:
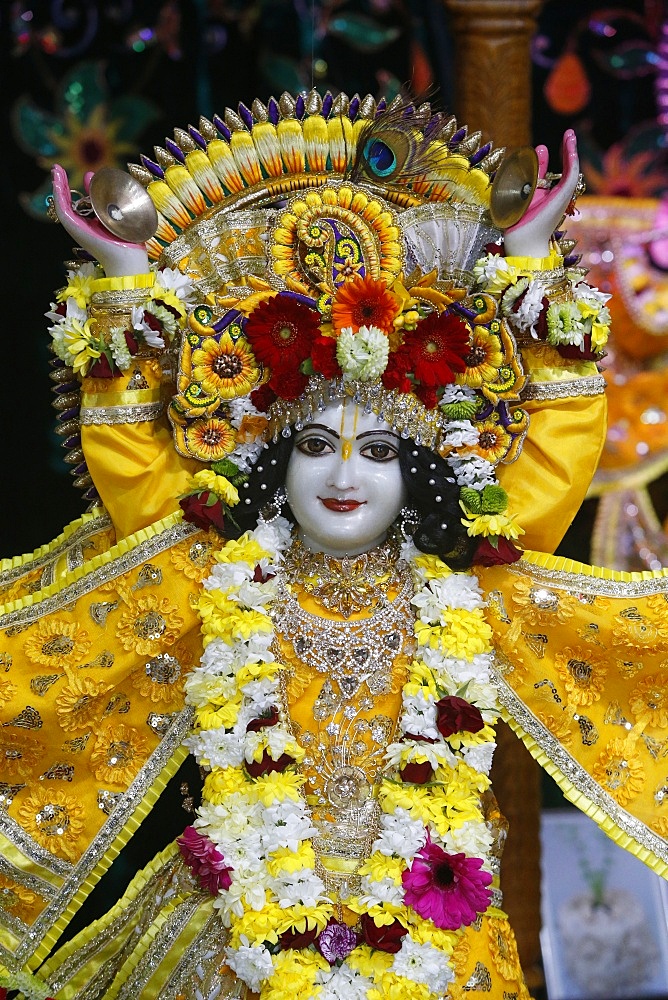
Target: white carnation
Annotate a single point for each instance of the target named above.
(342, 983)
(119, 348)
(473, 839)
(472, 471)
(373, 893)
(528, 312)
(275, 537)
(422, 963)
(400, 835)
(302, 887)
(362, 355)
(252, 963)
(461, 432)
(480, 757)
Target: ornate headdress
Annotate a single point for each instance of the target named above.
(331, 243)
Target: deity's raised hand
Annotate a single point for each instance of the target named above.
(530, 237)
(116, 256)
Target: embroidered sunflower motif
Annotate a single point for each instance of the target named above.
(636, 631)
(540, 606)
(19, 753)
(660, 825)
(493, 443)
(193, 559)
(7, 691)
(583, 672)
(118, 754)
(649, 701)
(560, 725)
(57, 643)
(503, 949)
(149, 624)
(55, 819)
(81, 704)
(226, 368)
(209, 439)
(620, 771)
(16, 900)
(161, 680)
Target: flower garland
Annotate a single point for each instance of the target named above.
(428, 873)
(153, 324)
(577, 328)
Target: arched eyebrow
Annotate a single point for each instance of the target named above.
(379, 430)
(319, 427)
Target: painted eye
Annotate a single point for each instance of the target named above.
(314, 446)
(379, 451)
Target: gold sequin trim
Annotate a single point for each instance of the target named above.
(581, 584)
(590, 385)
(136, 414)
(82, 533)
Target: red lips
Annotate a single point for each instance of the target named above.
(342, 506)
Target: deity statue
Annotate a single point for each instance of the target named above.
(312, 432)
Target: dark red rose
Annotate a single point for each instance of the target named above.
(417, 774)
(263, 721)
(419, 738)
(161, 302)
(496, 249)
(263, 397)
(387, 938)
(295, 939)
(198, 512)
(131, 342)
(584, 353)
(103, 369)
(260, 577)
(455, 715)
(288, 384)
(395, 375)
(541, 323)
(265, 766)
(496, 555)
(323, 356)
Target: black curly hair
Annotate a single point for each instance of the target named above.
(430, 484)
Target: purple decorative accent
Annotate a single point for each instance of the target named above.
(73, 441)
(462, 311)
(153, 167)
(408, 111)
(246, 116)
(481, 154)
(80, 469)
(484, 411)
(66, 415)
(327, 102)
(559, 234)
(382, 106)
(572, 260)
(353, 108)
(300, 107)
(433, 125)
(504, 415)
(174, 150)
(457, 137)
(197, 136)
(91, 494)
(225, 320)
(222, 127)
(273, 111)
(64, 387)
(304, 299)
(336, 941)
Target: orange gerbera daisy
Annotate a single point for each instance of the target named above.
(364, 302)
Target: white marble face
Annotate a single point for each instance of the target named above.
(343, 480)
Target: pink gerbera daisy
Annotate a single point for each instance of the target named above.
(448, 889)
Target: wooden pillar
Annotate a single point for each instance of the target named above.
(493, 66)
(493, 94)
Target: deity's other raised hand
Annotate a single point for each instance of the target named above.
(116, 256)
(530, 237)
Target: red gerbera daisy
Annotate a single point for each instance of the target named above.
(395, 375)
(281, 331)
(438, 347)
(448, 889)
(323, 356)
(364, 302)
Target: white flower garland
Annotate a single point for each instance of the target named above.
(262, 826)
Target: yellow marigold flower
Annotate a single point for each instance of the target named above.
(369, 962)
(421, 680)
(493, 524)
(465, 634)
(599, 335)
(169, 299)
(465, 739)
(389, 986)
(209, 717)
(242, 549)
(277, 786)
(425, 932)
(382, 914)
(378, 867)
(223, 782)
(254, 671)
(258, 925)
(236, 625)
(432, 567)
(284, 860)
(222, 487)
(79, 288)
